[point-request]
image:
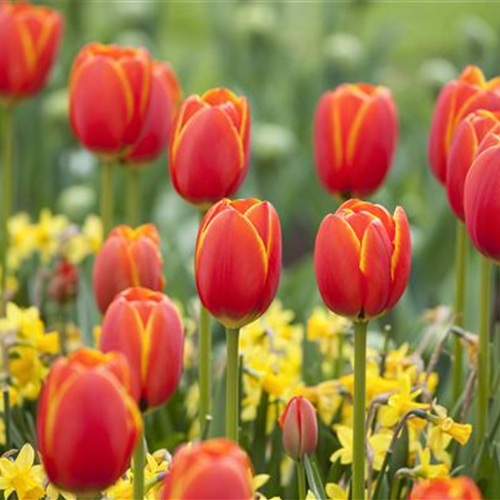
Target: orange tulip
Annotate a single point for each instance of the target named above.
(146, 328)
(300, 428)
(210, 147)
(238, 260)
(211, 470)
(464, 146)
(29, 39)
(362, 259)
(157, 127)
(109, 97)
(87, 424)
(355, 132)
(458, 98)
(455, 488)
(129, 257)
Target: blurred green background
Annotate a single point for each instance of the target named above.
(283, 56)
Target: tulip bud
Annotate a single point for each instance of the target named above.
(29, 36)
(362, 258)
(466, 139)
(63, 285)
(238, 260)
(355, 131)
(129, 257)
(458, 98)
(300, 428)
(87, 424)
(481, 200)
(217, 468)
(109, 97)
(157, 127)
(210, 146)
(146, 328)
(454, 488)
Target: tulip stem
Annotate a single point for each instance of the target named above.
(301, 479)
(358, 462)
(133, 195)
(7, 180)
(483, 371)
(232, 380)
(107, 196)
(205, 347)
(460, 282)
(139, 462)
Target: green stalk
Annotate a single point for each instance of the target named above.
(138, 464)
(107, 196)
(232, 376)
(301, 479)
(133, 195)
(483, 371)
(358, 461)
(63, 332)
(89, 496)
(460, 283)
(204, 373)
(7, 131)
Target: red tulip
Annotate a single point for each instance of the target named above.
(454, 488)
(87, 424)
(238, 260)
(63, 285)
(464, 146)
(29, 39)
(458, 98)
(300, 428)
(157, 127)
(210, 147)
(129, 257)
(362, 259)
(109, 97)
(481, 200)
(209, 470)
(355, 133)
(145, 327)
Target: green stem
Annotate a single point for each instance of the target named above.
(339, 362)
(107, 196)
(63, 332)
(6, 414)
(460, 286)
(358, 462)
(483, 370)
(204, 373)
(232, 398)
(89, 496)
(138, 464)
(133, 195)
(301, 479)
(7, 180)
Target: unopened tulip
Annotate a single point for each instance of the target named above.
(110, 90)
(129, 257)
(454, 488)
(238, 260)
(63, 285)
(145, 327)
(355, 132)
(458, 98)
(210, 146)
(29, 39)
(362, 259)
(87, 423)
(463, 150)
(217, 469)
(481, 200)
(300, 428)
(157, 127)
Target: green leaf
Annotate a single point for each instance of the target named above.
(314, 479)
(399, 458)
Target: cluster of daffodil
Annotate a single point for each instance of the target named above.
(51, 236)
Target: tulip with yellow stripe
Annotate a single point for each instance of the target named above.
(454, 488)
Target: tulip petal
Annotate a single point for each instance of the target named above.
(337, 254)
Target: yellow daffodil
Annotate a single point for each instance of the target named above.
(336, 492)
(53, 493)
(426, 470)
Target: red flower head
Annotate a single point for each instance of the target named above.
(363, 259)
(210, 147)
(456, 488)
(355, 132)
